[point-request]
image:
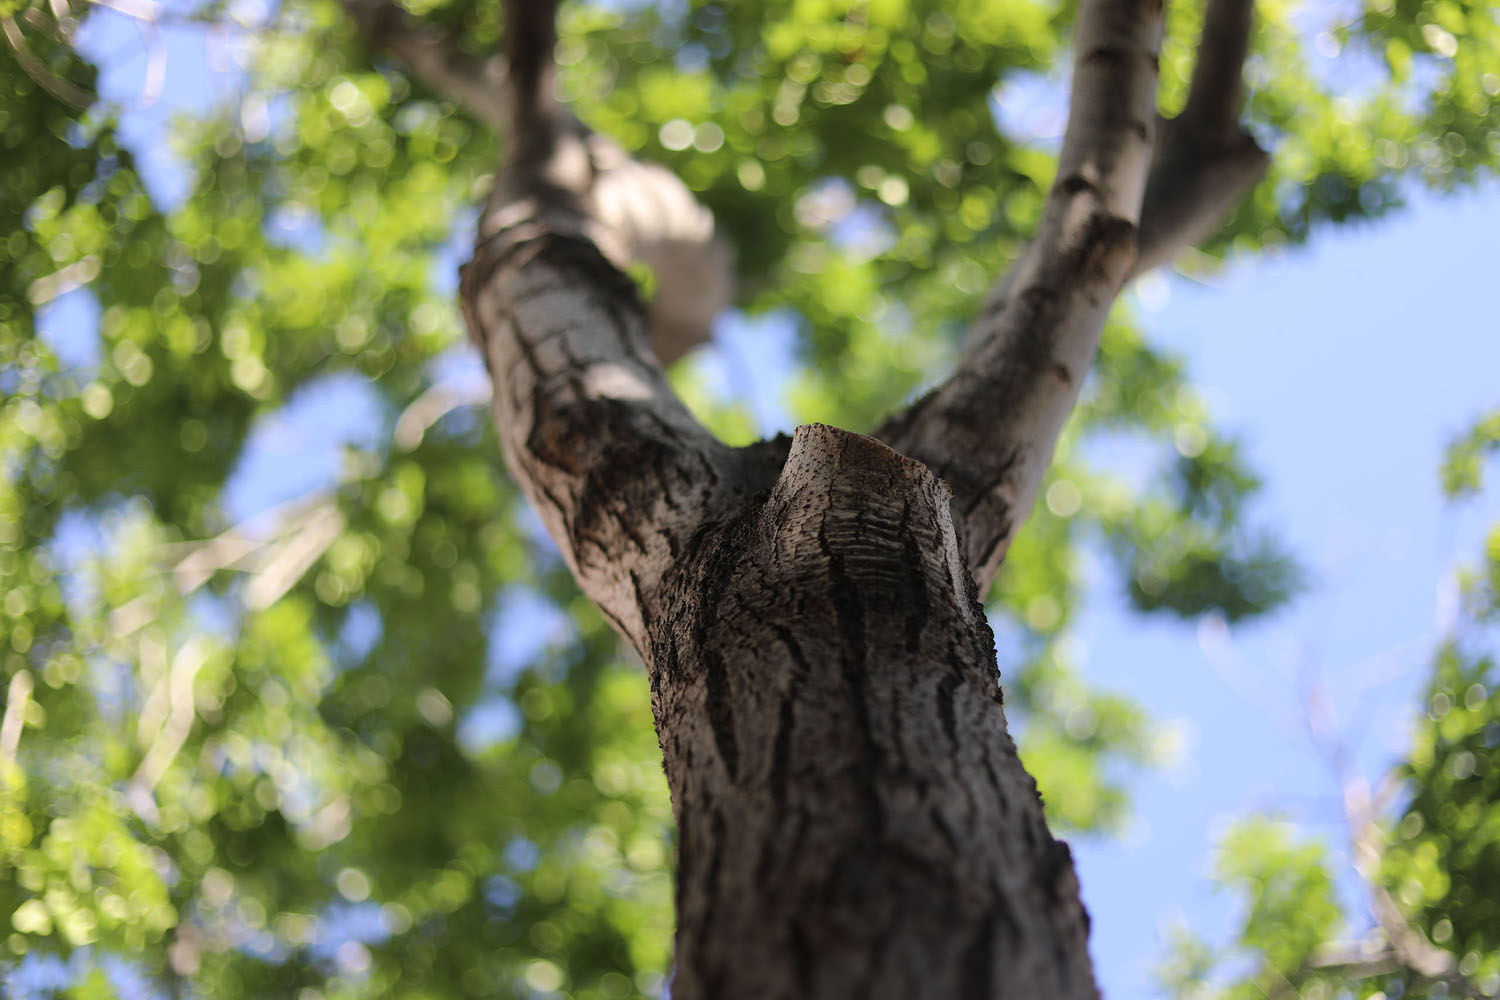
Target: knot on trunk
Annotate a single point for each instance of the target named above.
(881, 523)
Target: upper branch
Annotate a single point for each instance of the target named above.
(619, 471)
(531, 37)
(1205, 162)
(643, 213)
(1216, 92)
(1130, 192)
(435, 57)
(991, 428)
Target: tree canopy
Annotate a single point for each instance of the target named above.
(371, 740)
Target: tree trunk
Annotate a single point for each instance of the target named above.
(854, 821)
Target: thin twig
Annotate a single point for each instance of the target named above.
(432, 405)
(17, 697)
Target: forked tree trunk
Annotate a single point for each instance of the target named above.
(854, 821)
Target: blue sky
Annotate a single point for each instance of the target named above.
(1345, 367)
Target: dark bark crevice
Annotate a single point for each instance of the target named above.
(848, 834)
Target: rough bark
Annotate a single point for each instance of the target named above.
(854, 821)
(990, 430)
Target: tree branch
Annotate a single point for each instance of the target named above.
(17, 697)
(433, 405)
(1205, 162)
(75, 96)
(1396, 943)
(642, 212)
(990, 430)
(1216, 91)
(530, 40)
(435, 57)
(1355, 960)
(1409, 945)
(619, 470)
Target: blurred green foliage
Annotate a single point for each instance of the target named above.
(1433, 861)
(289, 757)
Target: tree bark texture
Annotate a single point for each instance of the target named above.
(853, 818)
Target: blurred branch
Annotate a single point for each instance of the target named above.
(156, 62)
(177, 689)
(1282, 988)
(433, 405)
(293, 557)
(302, 531)
(59, 30)
(434, 56)
(1355, 959)
(1204, 161)
(1216, 92)
(17, 697)
(68, 93)
(140, 10)
(147, 12)
(148, 18)
(237, 547)
(61, 282)
(1408, 944)
(1404, 946)
(643, 212)
(1395, 944)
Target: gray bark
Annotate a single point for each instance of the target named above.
(854, 821)
(1131, 191)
